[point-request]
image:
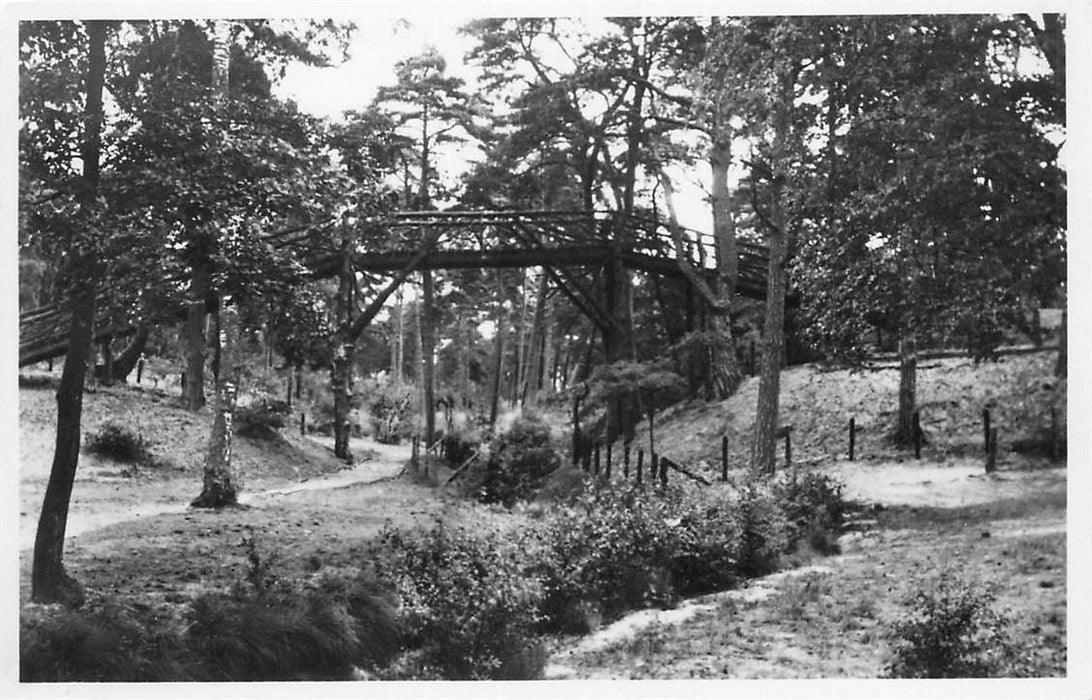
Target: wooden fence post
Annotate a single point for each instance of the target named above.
(303, 423)
(986, 429)
(852, 436)
(610, 446)
(625, 462)
(640, 464)
(788, 448)
(991, 455)
(724, 458)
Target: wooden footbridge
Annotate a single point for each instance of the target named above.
(562, 242)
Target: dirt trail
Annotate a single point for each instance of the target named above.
(104, 501)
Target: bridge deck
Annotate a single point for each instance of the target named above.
(465, 240)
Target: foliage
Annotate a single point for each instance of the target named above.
(119, 442)
(428, 108)
(611, 549)
(107, 640)
(813, 507)
(390, 410)
(457, 447)
(941, 193)
(622, 546)
(951, 631)
(469, 609)
(276, 629)
(262, 419)
(269, 630)
(657, 387)
(519, 460)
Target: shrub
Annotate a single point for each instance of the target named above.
(764, 531)
(265, 630)
(813, 507)
(107, 640)
(458, 447)
(611, 550)
(390, 410)
(262, 419)
(520, 459)
(950, 631)
(710, 540)
(120, 443)
(469, 608)
(294, 633)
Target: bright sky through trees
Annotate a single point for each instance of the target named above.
(380, 42)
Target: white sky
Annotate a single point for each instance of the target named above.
(382, 41)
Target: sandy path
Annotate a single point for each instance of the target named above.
(914, 484)
(93, 511)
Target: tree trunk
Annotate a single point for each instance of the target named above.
(341, 379)
(623, 415)
(773, 332)
(1061, 367)
(723, 375)
(549, 351)
(498, 366)
(213, 346)
(464, 358)
(908, 365)
(773, 341)
(398, 352)
(428, 349)
(107, 362)
(418, 343)
(50, 583)
(193, 397)
(127, 360)
(341, 374)
(221, 484)
(532, 375)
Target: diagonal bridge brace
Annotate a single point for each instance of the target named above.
(571, 287)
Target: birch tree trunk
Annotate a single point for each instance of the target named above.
(221, 482)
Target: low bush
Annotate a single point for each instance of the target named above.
(106, 640)
(608, 552)
(458, 447)
(121, 443)
(262, 630)
(469, 608)
(710, 542)
(520, 459)
(814, 509)
(391, 409)
(293, 633)
(261, 419)
(951, 631)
